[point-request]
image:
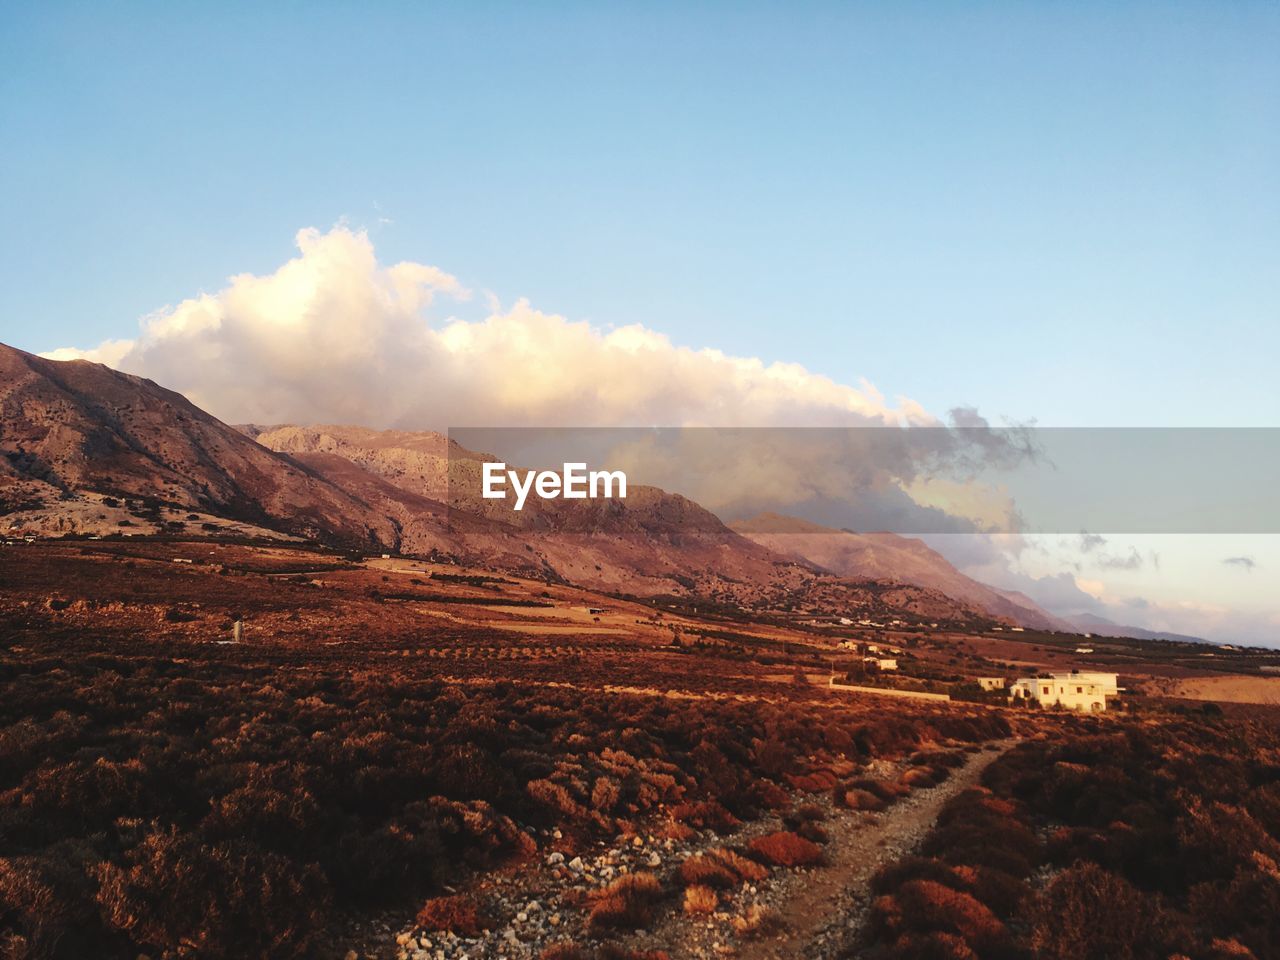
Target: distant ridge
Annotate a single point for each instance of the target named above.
(887, 555)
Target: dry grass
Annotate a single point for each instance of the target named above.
(460, 915)
(758, 921)
(700, 899)
(744, 867)
(625, 904)
(703, 871)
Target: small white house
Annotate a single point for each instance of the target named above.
(990, 683)
(883, 663)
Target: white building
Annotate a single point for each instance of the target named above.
(883, 663)
(991, 683)
(1077, 690)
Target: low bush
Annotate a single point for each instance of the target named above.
(747, 870)
(627, 903)
(786, 849)
(700, 899)
(460, 915)
(1090, 912)
(706, 871)
(178, 895)
(758, 921)
(925, 906)
(856, 799)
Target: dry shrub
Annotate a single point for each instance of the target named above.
(458, 914)
(921, 777)
(1230, 950)
(815, 781)
(676, 831)
(700, 899)
(1002, 892)
(813, 831)
(856, 799)
(605, 794)
(884, 790)
(1089, 912)
(556, 798)
(705, 815)
(810, 811)
(978, 829)
(1247, 910)
(925, 906)
(933, 945)
(228, 901)
(704, 871)
(769, 795)
(758, 921)
(747, 869)
(44, 903)
(626, 903)
(786, 849)
(889, 878)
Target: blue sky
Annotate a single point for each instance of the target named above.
(1066, 212)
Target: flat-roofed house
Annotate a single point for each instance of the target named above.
(1084, 692)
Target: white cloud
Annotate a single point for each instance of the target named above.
(334, 336)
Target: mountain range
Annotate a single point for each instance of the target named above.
(87, 449)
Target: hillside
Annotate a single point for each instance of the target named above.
(79, 440)
(881, 556)
(650, 543)
(89, 450)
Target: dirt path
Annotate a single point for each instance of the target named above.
(824, 909)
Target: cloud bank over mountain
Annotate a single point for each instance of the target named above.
(335, 336)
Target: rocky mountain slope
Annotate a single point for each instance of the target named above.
(651, 542)
(82, 439)
(86, 449)
(887, 556)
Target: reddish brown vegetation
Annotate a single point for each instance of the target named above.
(703, 870)
(459, 914)
(748, 870)
(700, 899)
(158, 791)
(1166, 836)
(758, 921)
(786, 849)
(626, 903)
